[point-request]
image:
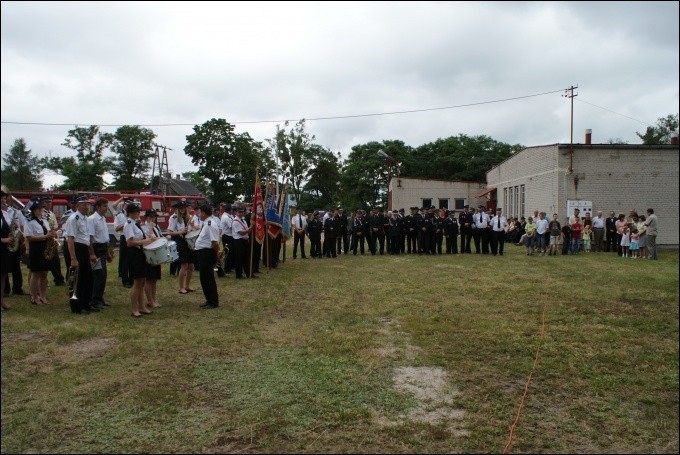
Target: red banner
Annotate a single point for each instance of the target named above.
(258, 213)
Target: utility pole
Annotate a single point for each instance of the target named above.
(277, 158)
(160, 163)
(569, 93)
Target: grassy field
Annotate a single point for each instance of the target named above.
(359, 354)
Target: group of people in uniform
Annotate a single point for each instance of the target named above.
(424, 231)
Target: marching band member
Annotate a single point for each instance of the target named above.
(15, 217)
(153, 272)
(136, 240)
(82, 256)
(227, 238)
(217, 222)
(240, 231)
(50, 220)
(178, 227)
(5, 257)
(37, 232)
(207, 249)
(64, 246)
(118, 226)
(99, 231)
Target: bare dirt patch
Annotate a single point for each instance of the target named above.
(93, 347)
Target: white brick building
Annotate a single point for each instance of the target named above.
(405, 192)
(614, 177)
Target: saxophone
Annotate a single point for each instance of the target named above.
(15, 234)
(52, 244)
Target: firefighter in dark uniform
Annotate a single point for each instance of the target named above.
(343, 236)
(395, 232)
(358, 228)
(451, 232)
(376, 226)
(330, 232)
(465, 225)
(207, 250)
(437, 232)
(424, 232)
(314, 229)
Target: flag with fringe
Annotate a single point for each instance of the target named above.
(270, 211)
(257, 213)
(285, 215)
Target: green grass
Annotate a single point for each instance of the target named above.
(304, 360)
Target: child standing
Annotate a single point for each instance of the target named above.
(566, 236)
(530, 234)
(634, 243)
(625, 241)
(576, 229)
(586, 236)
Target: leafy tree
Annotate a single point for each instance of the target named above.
(85, 171)
(133, 147)
(227, 160)
(22, 171)
(295, 155)
(661, 133)
(458, 158)
(323, 179)
(364, 177)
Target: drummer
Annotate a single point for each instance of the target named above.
(178, 227)
(136, 240)
(153, 272)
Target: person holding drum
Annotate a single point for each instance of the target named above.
(153, 272)
(178, 227)
(136, 240)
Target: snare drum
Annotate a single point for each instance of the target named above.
(191, 239)
(157, 252)
(172, 249)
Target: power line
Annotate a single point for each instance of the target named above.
(336, 117)
(614, 112)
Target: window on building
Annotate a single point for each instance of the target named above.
(459, 204)
(516, 205)
(427, 203)
(509, 207)
(505, 201)
(521, 198)
(444, 204)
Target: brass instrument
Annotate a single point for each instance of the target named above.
(51, 248)
(15, 234)
(73, 283)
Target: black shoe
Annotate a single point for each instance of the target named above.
(209, 306)
(127, 285)
(19, 292)
(240, 278)
(204, 304)
(253, 276)
(82, 311)
(106, 304)
(60, 283)
(98, 306)
(93, 308)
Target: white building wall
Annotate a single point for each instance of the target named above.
(612, 177)
(409, 192)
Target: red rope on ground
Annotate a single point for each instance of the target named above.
(526, 386)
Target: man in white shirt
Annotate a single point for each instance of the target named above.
(480, 222)
(299, 224)
(207, 249)
(498, 227)
(82, 256)
(227, 238)
(118, 224)
(652, 231)
(16, 216)
(99, 235)
(541, 230)
(598, 232)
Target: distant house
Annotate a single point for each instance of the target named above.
(405, 192)
(179, 187)
(601, 177)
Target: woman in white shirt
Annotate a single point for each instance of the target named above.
(136, 240)
(37, 232)
(153, 272)
(179, 225)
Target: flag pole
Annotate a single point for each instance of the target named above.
(253, 221)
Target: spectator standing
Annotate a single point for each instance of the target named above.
(651, 223)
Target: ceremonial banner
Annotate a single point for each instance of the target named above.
(270, 212)
(257, 212)
(285, 215)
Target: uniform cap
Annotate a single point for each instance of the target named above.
(82, 199)
(227, 206)
(240, 208)
(149, 212)
(131, 208)
(498, 209)
(179, 205)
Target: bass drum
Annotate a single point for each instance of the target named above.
(172, 247)
(157, 252)
(191, 239)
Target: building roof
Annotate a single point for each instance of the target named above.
(182, 188)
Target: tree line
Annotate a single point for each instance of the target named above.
(226, 162)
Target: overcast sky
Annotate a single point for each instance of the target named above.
(184, 63)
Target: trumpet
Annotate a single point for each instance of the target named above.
(73, 283)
